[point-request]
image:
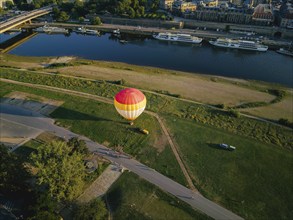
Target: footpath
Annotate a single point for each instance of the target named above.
(101, 185)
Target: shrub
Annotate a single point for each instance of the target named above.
(285, 122)
(234, 113)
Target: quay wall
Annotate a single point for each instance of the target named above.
(142, 22)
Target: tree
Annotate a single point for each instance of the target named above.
(78, 146)
(59, 170)
(96, 21)
(12, 172)
(9, 4)
(94, 210)
(44, 208)
(63, 16)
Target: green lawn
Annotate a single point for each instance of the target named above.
(131, 197)
(258, 130)
(254, 181)
(101, 122)
(25, 150)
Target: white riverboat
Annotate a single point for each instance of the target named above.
(186, 38)
(83, 30)
(239, 44)
(51, 30)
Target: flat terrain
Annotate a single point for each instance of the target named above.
(283, 109)
(252, 181)
(189, 86)
(135, 199)
(202, 88)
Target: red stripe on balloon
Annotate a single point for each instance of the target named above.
(129, 96)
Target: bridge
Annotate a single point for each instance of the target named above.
(23, 18)
(15, 41)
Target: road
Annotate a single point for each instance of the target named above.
(18, 115)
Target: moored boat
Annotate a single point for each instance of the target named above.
(186, 38)
(285, 52)
(239, 44)
(83, 30)
(51, 30)
(116, 31)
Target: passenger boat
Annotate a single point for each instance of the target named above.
(285, 52)
(116, 32)
(186, 38)
(83, 30)
(239, 44)
(123, 41)
(51, 30)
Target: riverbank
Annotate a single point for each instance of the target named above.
(212, 90)
(149, 31)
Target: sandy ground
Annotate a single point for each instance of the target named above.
(33, 65)
(283, 109)
(189, 86)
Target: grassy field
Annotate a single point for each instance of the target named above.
(101, 122)
(254, 181)
(131, 197)
(258, 130)
(203, 88)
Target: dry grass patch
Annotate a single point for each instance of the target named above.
(283, 109)
(189, 86)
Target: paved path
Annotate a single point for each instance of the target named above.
(106, 100)
(18, 115)
(101, 185)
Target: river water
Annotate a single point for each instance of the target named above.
(264, 66)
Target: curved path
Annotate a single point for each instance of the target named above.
(34, 120)
(106, 100)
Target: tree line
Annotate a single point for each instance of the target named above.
(51, 177)
(79, 10)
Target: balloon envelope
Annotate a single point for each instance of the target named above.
(130, 103)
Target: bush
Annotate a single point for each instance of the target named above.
(221, 106)
(285, 122)
(234, 113)
(96, 21)
(279, 93)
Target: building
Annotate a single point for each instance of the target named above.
(238, 3)
(263, 15)
(286, 15)
(166, 4)
(217, 14)
(183, 7)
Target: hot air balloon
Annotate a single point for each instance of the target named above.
(130, 103)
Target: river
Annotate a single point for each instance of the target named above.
(205, 59)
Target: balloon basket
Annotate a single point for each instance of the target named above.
(131, 123)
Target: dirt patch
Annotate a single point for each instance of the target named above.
(47, 137)
(201, 89)
(283, 109)
(12, 142)
(160, 143)
(64, 59)
(32, 102)
(21, 65)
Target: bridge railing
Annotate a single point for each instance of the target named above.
(23, 16)
(27, 13)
